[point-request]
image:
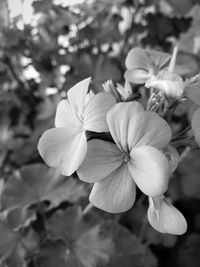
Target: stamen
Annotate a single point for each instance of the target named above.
(126, 157)
(173, 59)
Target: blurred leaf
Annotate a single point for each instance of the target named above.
(189, 252)
(156, 238)
(189, 41)
(181, 7)
(14, 246)
(4, 14)
(186, 64)
(19, 217)
(196, 125)
(42, 5)
(36, 183)
(65, 223)
(55, 253)
(128, 249)
(89, 246)
(107, 68)
(189, 170)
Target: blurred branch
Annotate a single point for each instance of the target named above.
(7, 61)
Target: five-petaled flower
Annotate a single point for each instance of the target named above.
(135, 158)
(65, 146)
(164, 217)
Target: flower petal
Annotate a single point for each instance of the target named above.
(131, 126)
(95, 112)
(65, 115)
(137, 76)
(159, 59)
(150, 170)
(64, 148)
(192, 89)
(196, 125)
(101, 160)
(167, 219)
(77, 95)
(137, 59)
(116, 193)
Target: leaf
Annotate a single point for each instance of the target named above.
(106, 68)
(42, 5)
(181, 7)
(128, 249)
(189, 41)
(65, 224)
(35, 183)
(4, 14)
(189, 252)
(14, 246)
(196, 125)
(91, 248)
(19, 217)
(189, 170)
(56, 253)
(154, 237)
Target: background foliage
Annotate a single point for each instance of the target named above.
(42, 219)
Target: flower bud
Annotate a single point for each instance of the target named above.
(164, 217)
(125, 91)
(110, 88)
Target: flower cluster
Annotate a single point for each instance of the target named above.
(137, 152)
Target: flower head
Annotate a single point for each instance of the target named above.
(141, 64)
(65, 146)
(135, 158)
(164, 217)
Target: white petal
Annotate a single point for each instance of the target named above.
(131, 126)
(116, 193)
(63, 148)
(65, 115)
(119, 120)
(137, 59)
(137, 76)
(159, 59)
(101, 160)
(167, 219)
(95, 112)
(196, 125)
(77, 95)
(150, 170)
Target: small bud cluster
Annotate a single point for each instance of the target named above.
(131, 142)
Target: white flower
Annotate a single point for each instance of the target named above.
(170, 83)
(164, 217)
(65, 146)
(135, 158)
(141, 64)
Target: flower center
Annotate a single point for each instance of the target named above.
(126, 157)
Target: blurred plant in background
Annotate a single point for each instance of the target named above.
(43, 220)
